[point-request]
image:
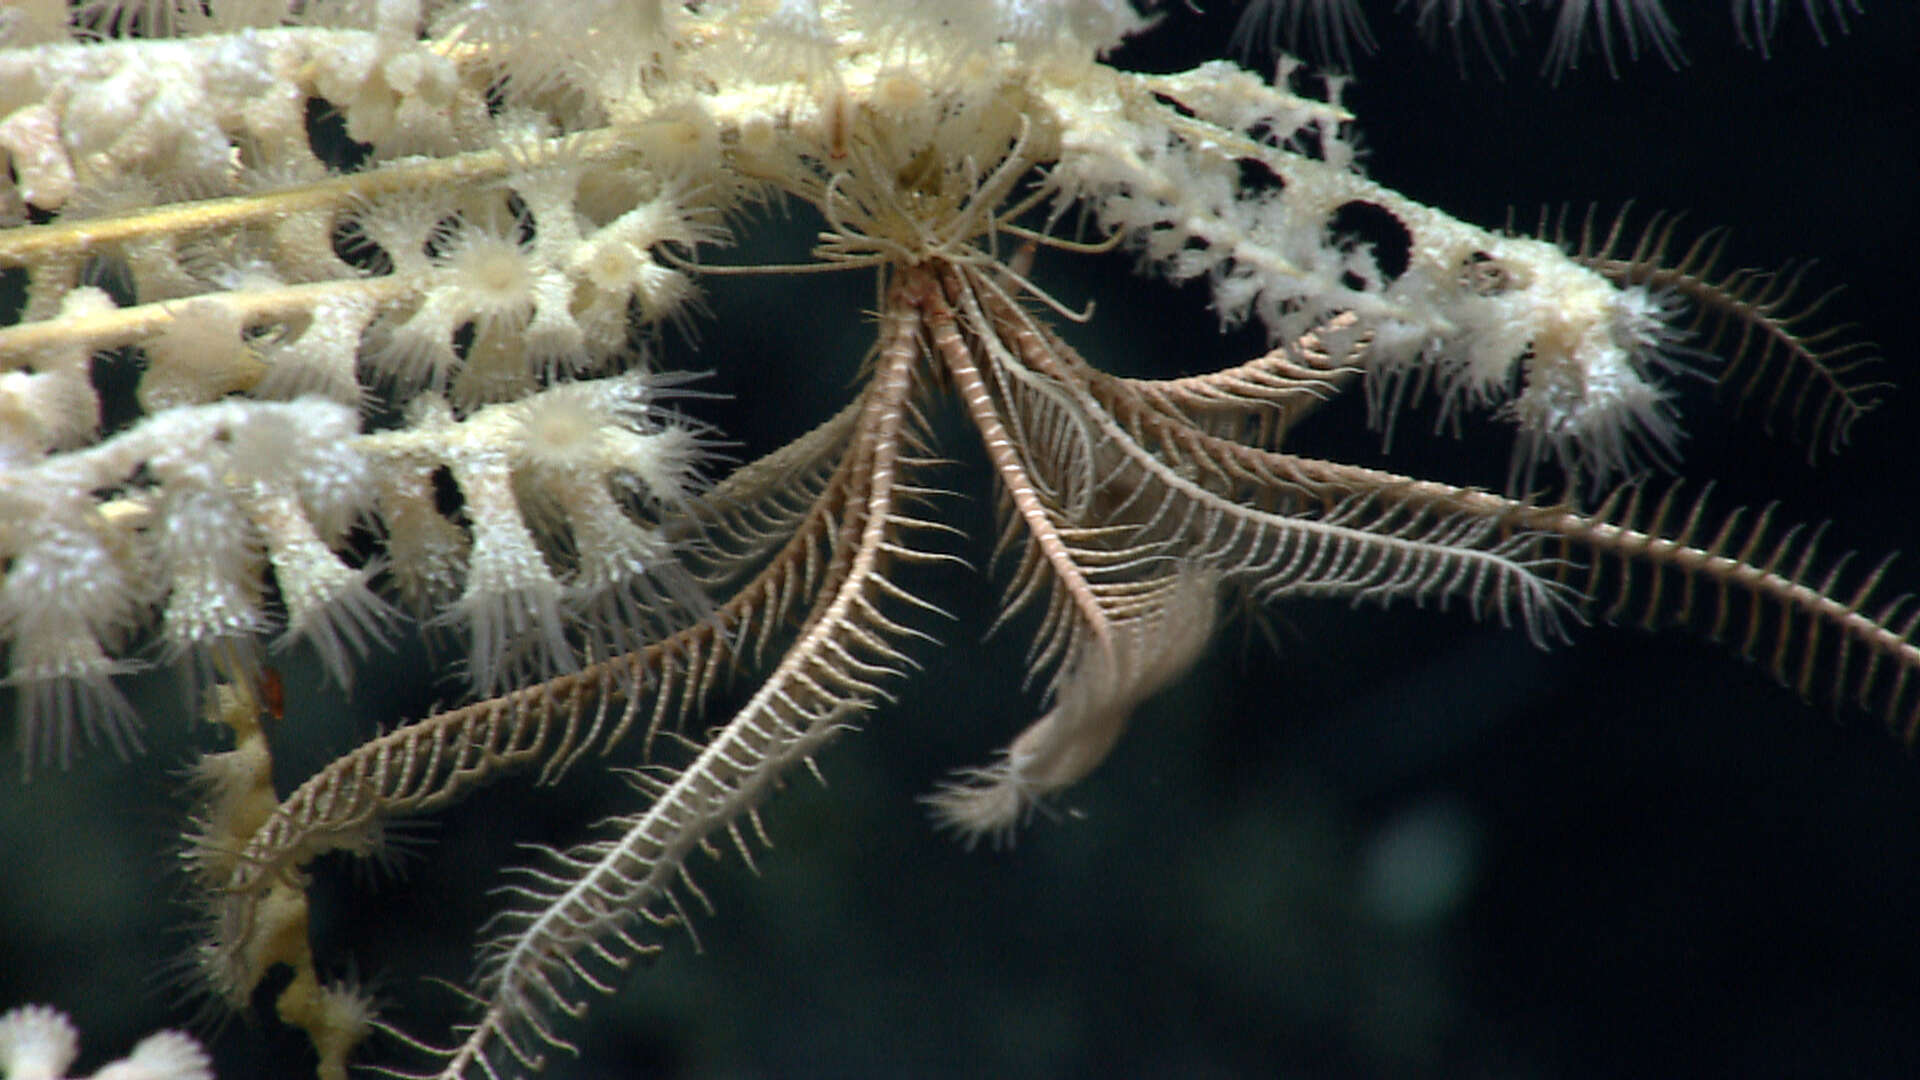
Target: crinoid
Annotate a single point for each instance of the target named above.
(440, 405)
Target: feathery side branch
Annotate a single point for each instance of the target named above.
(734, 527)
(1755, 579)
(1151, 548)
(1003, 452)
(1123, 619)
(1756, 319)
(1261, 400)
(574, 930)
(434, 761)
(1358, 549)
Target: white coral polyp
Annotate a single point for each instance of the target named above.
(166, 1055)
(511, 602)
(40, 1043)
(37, 1043)
(494, 277)
(1596, 416)
(207, 550)
(328, 603)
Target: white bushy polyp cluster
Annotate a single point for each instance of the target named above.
(40, 1043)
(528, 185)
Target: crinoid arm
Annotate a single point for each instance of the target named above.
(571, 923)
(425, 765)
(1782, 361)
